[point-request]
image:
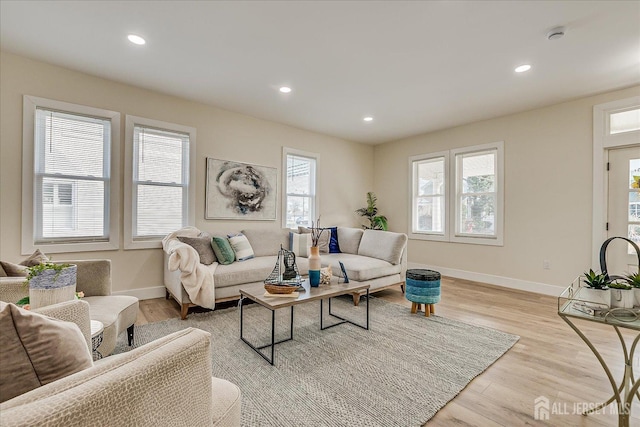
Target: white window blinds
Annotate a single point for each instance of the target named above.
(71, 182)
(160, 187)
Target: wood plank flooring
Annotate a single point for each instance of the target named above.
(549, 360)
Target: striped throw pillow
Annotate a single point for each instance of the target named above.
(299, 244)
(241, 246)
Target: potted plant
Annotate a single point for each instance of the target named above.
(633, 280)
(376, 222)
(621, 295)
(51, 283)
(596, 289)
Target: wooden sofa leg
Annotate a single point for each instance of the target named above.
(402, 287)
(130, 335)
(356, 299)
(168, 295)
(183, 311)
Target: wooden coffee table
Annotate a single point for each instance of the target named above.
(256, 293)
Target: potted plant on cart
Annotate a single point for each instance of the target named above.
(633, 280)
(596, 288)
(621, 295)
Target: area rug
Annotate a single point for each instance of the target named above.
(399, 373)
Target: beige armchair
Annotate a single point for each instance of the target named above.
(144, 387)
(116, 312)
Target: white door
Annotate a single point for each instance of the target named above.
(623, 209)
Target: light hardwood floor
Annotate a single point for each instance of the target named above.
(549, 359)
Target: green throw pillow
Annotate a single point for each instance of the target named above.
(223, 250)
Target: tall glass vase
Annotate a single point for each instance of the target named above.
(314, 266)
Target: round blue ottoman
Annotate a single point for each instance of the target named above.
(423, 287)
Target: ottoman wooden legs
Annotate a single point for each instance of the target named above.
(428, 308)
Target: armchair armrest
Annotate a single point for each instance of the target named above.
(166, 382)
(76, 311)
(13, 289)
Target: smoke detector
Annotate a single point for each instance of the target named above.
(556, 33)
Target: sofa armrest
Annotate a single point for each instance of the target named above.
(166, 382)
(13, 289)
(76, 311)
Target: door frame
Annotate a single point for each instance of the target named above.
(602, 143)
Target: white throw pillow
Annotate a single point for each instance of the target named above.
(299, 244)
(241, 246)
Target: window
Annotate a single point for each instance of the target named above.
(160, 198)
(69, 191)
(300, 203)
(457, 195)
(429, 194)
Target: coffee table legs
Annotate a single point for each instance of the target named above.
(342, 319)
(273, 334)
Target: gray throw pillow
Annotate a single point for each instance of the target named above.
(202, 245)
(323, 242)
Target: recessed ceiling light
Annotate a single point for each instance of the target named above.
(523, 68)
(285, 89)
(136, 39)
(368, 119)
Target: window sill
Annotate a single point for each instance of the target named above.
(59, 248)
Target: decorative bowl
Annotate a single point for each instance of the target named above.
(280, 289)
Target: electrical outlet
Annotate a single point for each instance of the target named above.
(546, 264)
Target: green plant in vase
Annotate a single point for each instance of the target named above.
(633, 279)
(595, 280)
(376, 222)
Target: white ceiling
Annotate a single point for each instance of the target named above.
(414, 66)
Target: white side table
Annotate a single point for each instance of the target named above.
(97, 332)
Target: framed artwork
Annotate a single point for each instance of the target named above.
(240, 191)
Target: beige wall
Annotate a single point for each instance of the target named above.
(345, 174)
(548, 193)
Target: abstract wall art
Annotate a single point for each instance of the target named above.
(240, 191)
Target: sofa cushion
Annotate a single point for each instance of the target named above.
(384, 245)
(252, 270)
(223, 250)
(35, 258)
(349, 239)
(241, 246)
(360, 268)
(323, 241)
(202, 245)
(14, 270)
(267, 242)
(37, 350)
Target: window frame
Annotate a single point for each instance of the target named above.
(454, 211)
(29, 190)
(453, 174)
(286, 152)
(188, 206)
(413, 192)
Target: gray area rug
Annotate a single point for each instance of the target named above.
(399, 373)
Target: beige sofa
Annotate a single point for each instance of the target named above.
(143, 387)
(116, 312)
(378, 258)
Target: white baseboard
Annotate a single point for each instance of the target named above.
(507, 282)
(144, 293)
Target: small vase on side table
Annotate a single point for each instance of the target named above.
(314, 266)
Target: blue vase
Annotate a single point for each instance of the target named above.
(314, 278)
